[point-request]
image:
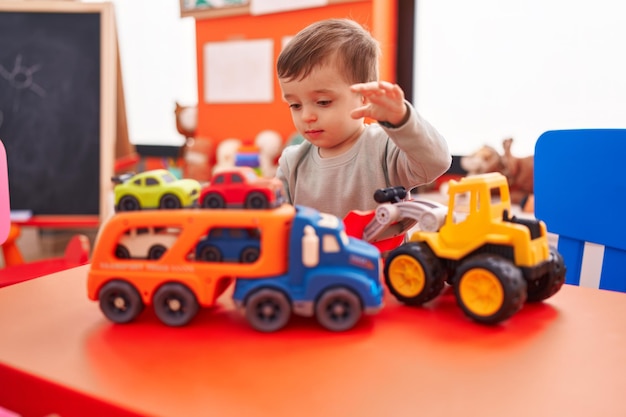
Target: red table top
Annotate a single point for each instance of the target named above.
(58, 353)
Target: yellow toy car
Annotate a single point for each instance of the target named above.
(154, 189)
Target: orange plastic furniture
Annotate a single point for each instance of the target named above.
(76, 254)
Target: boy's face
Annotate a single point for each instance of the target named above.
(320, 106)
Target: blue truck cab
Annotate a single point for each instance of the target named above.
(328, 275)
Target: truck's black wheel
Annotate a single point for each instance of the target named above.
(268, 310)
(156, 251)
(256, 200)
(175, 304)
(338, 309)
(489, 289)
(550, 283)
(119, 301)
(122, 252)
(413, 274)
(213, 201)
(170, 201)
(249, 255)
(128, 203)
(211, 254)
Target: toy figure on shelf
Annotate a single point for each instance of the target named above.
(248, 156)
(485, 159)
(519, 173)
(270, 145)
(197, 150)
(226, 154)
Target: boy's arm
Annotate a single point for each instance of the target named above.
(420, 154)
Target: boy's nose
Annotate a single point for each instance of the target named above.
(309, 116)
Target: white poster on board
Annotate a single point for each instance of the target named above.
(275, 6)
(239, 71)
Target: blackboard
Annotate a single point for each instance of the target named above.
(57, 113)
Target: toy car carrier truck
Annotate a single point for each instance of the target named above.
(305, 264)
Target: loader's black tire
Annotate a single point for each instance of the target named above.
(550, 283)
(489, 289)
(413, 274)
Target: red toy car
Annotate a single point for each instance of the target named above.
(241, 187)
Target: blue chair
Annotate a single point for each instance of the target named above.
(581, 195)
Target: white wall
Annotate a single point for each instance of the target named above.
(488, 69)
(158, 55)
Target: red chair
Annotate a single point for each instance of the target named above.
(76, 254)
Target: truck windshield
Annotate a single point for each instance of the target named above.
(329, 221)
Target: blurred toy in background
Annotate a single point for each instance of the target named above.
(247, 155)
(186, 120)
(270, 145)
(485, 159)
(226, 153)
(261, 154)
(196, 152)
(519, 173)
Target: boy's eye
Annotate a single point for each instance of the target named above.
(324, 103)
(295, 106)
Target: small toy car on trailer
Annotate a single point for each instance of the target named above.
(230, 244)
(154, 189)
(241, 187)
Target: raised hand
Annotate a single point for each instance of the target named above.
(383, 101)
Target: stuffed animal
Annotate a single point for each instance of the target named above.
(519, 172)
(485, 159)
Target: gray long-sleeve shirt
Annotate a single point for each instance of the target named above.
(410, 155)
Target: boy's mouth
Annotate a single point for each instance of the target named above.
(313, 132)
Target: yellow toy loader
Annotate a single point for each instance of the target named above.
(494, 262)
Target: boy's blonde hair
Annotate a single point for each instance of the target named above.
(352, 47)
